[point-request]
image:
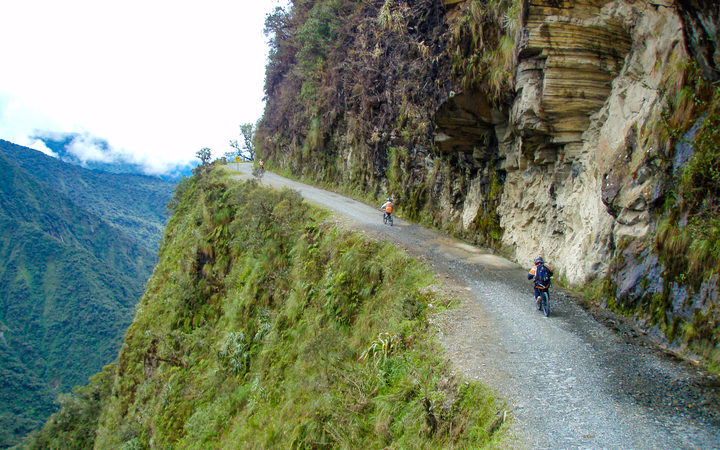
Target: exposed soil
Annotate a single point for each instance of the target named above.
(580, 378)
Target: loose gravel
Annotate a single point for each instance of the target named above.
(581, 378)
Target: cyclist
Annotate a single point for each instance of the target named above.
(262, 165)
(387, 207)
(541, 272)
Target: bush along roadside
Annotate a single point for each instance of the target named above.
(265, 326)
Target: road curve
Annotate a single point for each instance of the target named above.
(570, 381)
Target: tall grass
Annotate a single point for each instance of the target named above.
(692, 250)
(483, 44)
(264, 326)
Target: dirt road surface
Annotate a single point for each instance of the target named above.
(578, 379)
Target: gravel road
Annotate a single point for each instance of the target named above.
(581, 378)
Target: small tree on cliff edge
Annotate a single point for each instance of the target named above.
(204, 156)
(247, 149)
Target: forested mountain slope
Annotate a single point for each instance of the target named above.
(133, 203)
(586, 131)
(69, 282)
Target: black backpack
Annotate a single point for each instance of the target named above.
(542, 276)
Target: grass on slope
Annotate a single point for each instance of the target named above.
(264, 326)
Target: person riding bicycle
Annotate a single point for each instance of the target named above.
(387, 207)
(262, 165)
(542, 273)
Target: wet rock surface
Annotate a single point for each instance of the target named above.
(581, 378)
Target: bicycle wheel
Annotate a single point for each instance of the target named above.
(390, 219)
(545, 304)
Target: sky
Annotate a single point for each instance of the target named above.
(155, 79)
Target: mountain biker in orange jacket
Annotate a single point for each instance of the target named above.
(540, 286)
(387, 207)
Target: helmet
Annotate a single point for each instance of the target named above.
(388, 199)
(539, 260)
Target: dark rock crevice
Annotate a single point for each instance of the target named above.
(701, 30)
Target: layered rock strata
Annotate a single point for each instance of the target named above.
(576, 48)
(587, 179)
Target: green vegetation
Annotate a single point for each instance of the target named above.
(688, 239)
(204, 156)
(264, 326)
(68, 285)
(483, 45)
(75, 424)
(134, 204)
(352, 90)
(247, 148)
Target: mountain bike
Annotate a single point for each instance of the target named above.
(258, 172)
(387, 219)
(544, 304)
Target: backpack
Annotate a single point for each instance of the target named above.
(542, 277)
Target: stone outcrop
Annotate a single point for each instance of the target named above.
(578, 179)
(585, 177)
(574, 176)
(570, 53)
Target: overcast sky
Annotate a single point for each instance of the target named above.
(158, 80)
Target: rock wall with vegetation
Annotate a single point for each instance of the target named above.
(263, 326)
(581, 130)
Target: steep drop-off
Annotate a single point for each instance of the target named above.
(580, 130)
(264, 326)
(68, 285)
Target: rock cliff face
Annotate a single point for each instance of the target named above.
(578, 177)
(585, 174)
(563, 146)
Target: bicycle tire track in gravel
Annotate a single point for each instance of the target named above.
(571, 381)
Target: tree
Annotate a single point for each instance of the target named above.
(247, 149)
(277, 30)
(204, 156)
(277, 26)
(248, 133)
(238, 149)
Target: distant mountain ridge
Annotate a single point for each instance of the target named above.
(140, 214)
(77, 247)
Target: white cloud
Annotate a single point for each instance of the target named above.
(156, 80)
(39, 145)
(88, 149)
